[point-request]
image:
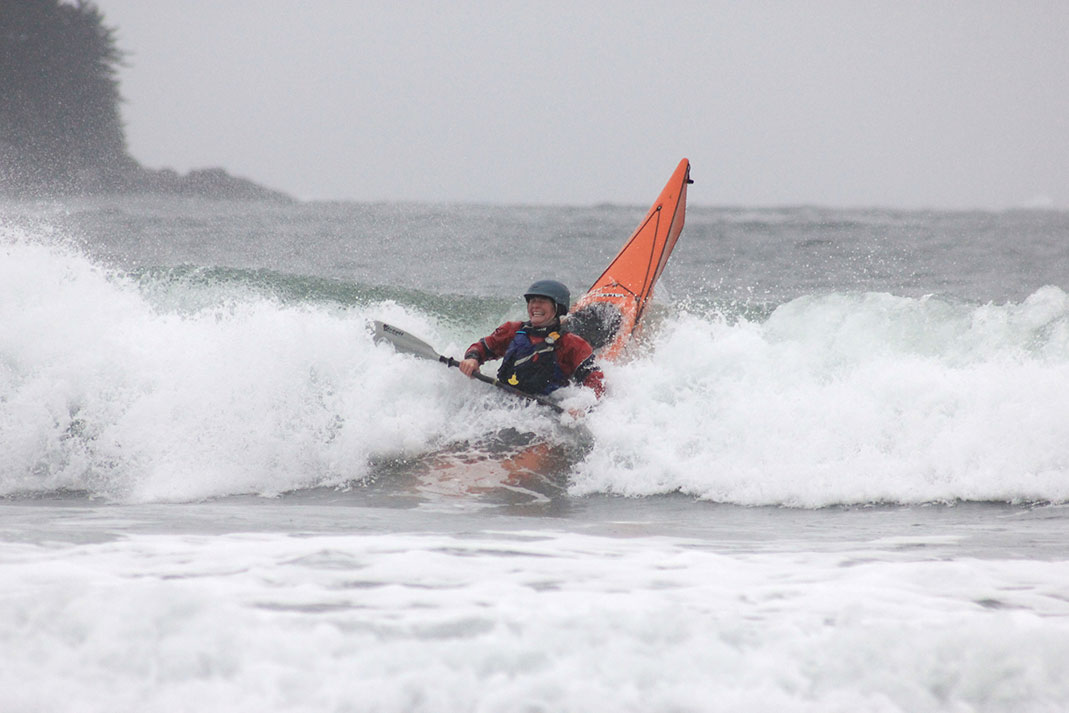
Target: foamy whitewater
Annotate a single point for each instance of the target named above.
(832, 474)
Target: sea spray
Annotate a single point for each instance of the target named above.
(159, 387)
(189, 352)
(844, 398)
(102, 392)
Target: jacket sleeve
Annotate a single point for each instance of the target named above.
(495, 345)
(590, 375)
(579, 364)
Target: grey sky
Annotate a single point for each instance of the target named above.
(850, 103)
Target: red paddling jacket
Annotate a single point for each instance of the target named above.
(539, 360)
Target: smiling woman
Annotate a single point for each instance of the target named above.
(538, 356)
(541, 311)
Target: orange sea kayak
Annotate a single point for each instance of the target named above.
(608, 313)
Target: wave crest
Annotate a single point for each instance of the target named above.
(221, 386)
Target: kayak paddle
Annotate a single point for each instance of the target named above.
(402, 341)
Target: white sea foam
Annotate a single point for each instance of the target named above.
(841, 398)
(533, 621)
(845, 399)
(159, 389)
(103, 392)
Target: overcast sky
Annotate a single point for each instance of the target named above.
(838, 103)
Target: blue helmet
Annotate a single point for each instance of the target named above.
(554, 290)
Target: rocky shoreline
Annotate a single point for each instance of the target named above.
(206, 182)
(134, 179)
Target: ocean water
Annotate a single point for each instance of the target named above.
(832, 474)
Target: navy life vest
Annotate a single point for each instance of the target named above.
(533, 368)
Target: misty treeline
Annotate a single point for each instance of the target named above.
(60, 127)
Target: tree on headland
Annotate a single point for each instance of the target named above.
(60, 128)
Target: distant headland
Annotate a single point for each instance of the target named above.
(61, 132)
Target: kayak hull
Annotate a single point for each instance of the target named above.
(504, 467)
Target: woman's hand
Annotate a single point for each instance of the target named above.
(468, 367)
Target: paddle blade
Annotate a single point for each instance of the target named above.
(402, 341)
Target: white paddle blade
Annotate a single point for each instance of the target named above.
(402, 341)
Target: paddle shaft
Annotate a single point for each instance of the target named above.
(405, 342)
(545, 401)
